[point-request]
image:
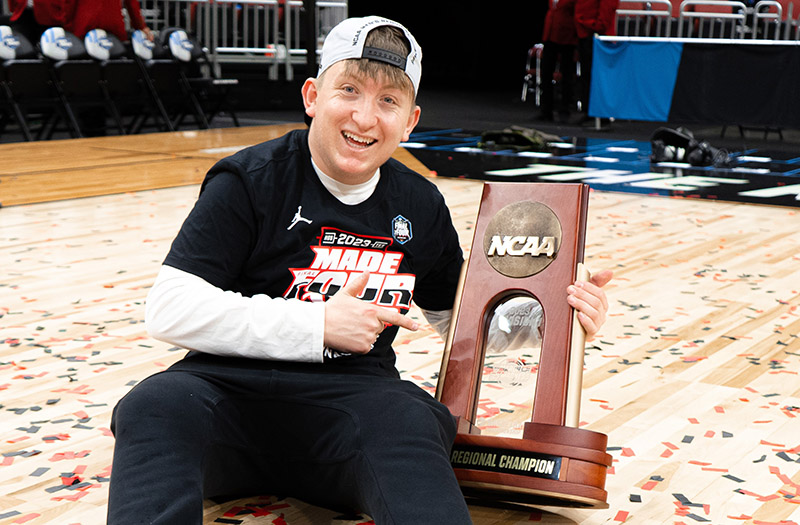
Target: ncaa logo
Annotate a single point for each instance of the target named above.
(401, 229)
(522, 239)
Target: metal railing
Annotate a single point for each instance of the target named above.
(644, 18)
(704, 19)
(245, 32)
(768, 20)
(329, 13)
(270, 32)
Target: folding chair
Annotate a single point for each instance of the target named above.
(144, 55)
(167, 82)
(28, 90)
(123, 83)
(532, 81)
(211, 91)
(79, 78)
(9, 45)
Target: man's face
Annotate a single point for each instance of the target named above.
(358, 122)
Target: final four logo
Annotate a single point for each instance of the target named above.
(401, 229)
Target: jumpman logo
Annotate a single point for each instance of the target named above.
(297, 218)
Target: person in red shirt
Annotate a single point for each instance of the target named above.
(107, 15)
(30, 18)
(559, 38)
(592, 17)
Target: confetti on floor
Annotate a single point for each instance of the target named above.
(693, 377)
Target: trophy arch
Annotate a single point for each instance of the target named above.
(510, 351)
(528, 242)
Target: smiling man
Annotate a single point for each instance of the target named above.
(287, 283)
(361, 109)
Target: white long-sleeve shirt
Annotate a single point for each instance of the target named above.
(186, 310)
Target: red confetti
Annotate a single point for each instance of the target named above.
(60, 456)
(693, 358)
(73, 497)
(70, 480)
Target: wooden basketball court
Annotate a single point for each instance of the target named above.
(694, 377)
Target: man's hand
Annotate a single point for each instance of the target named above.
(353, 325)
(590, 301)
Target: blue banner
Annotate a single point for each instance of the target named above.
(634, 80)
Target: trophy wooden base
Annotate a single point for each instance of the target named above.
(552, 465)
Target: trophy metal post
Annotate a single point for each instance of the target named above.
(529, 240)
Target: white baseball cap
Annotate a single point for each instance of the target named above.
(346, 40)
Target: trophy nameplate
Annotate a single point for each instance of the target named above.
(528, 242)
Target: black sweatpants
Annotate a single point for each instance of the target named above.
(365, 443)
(585, 52)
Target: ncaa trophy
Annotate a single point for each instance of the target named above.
(528, 243)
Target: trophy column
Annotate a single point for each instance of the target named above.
(529, 240)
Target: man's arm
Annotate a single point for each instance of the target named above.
(185, 310)
(439, 320)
